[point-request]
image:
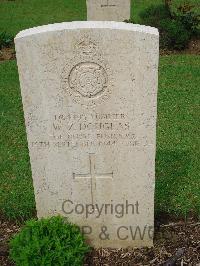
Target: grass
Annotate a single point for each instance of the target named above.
(22, 14)
(16, 190)
(177, 165)
(178, 146)
(140, 5)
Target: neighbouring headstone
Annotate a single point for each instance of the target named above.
(109, 10)
(89, 94)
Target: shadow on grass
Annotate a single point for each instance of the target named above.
(172, 183)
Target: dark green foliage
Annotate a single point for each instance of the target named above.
(49, 242)
(177, 25)
(174, 34)
(5, 39)
(154, 14)
(188, 18)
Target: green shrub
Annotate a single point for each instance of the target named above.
(154, 14)
(5, 39)
(49, 242)
(177, 25)
(188, 18)
(173, 34)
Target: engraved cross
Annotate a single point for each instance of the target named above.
(107, 4)
(92, 175)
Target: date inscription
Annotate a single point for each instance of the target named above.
(75, 130)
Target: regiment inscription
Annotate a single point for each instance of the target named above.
(89, 93)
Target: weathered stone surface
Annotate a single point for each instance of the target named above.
(109, 10)
(89, 94)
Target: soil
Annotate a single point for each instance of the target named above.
(174, 240)
(193, 48)
(7, 230)
(8, 53)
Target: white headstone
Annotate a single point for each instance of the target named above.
(89, 94)
(109, 10)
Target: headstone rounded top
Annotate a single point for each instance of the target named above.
(89, 92)
(87, 25)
